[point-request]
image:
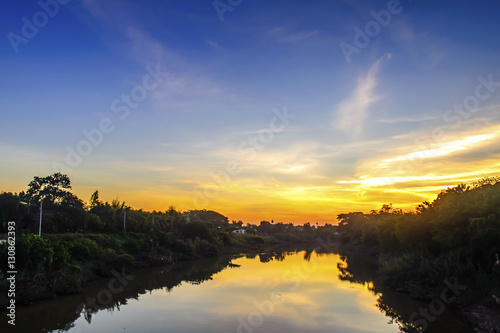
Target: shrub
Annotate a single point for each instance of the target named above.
(112, 260)
(205, 248)
(255, 240)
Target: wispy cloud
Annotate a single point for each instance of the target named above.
(445, 148)
(425, 179)
(352, 111)
(425, 48)
(214, 45)
(283, 35)
(405, 120)
(144, 47)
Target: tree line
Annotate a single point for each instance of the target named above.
(64, 212)
(456, 236)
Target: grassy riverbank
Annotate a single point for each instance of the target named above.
(64, 263)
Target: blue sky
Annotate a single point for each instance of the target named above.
(376, 127)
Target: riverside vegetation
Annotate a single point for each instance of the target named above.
(454, 238)
(82, 242)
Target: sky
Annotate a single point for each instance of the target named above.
(289, 111)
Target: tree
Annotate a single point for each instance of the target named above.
(350, 227)
(10, 210)
(486, 181)
(265, 227)
(238, 224)
(52, 189)
(306, 228)
(197, 228)
(94, 199)
(106, 214)
(211, 217)
(94, 223)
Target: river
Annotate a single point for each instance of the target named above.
(278, 291)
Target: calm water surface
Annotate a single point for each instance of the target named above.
(300, 291)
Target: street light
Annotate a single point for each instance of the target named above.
(41, 208)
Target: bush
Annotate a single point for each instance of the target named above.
(113, 261)
(68, 280)
(197, 229)
(223, 237)
(255, 240)
(95, 223)
(33, 252)
(184, 247)
(138, 244)
(205, 248)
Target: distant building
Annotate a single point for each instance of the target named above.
(239, 231)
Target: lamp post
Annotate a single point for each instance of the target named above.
(40, 224)
(41, 213)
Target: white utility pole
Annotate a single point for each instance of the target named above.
(40, 224)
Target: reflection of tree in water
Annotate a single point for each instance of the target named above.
(358, 268)
(61, 314)
(396, 317)
(361, 269)
(307, 255)
(192, 272)
(279, 254)
(270, 256)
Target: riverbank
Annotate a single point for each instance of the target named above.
(62, 264)
(65, 263)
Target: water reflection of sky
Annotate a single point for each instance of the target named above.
(293, 295)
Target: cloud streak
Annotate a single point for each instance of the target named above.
(281, 34)
(352, 111)
(405, 120)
